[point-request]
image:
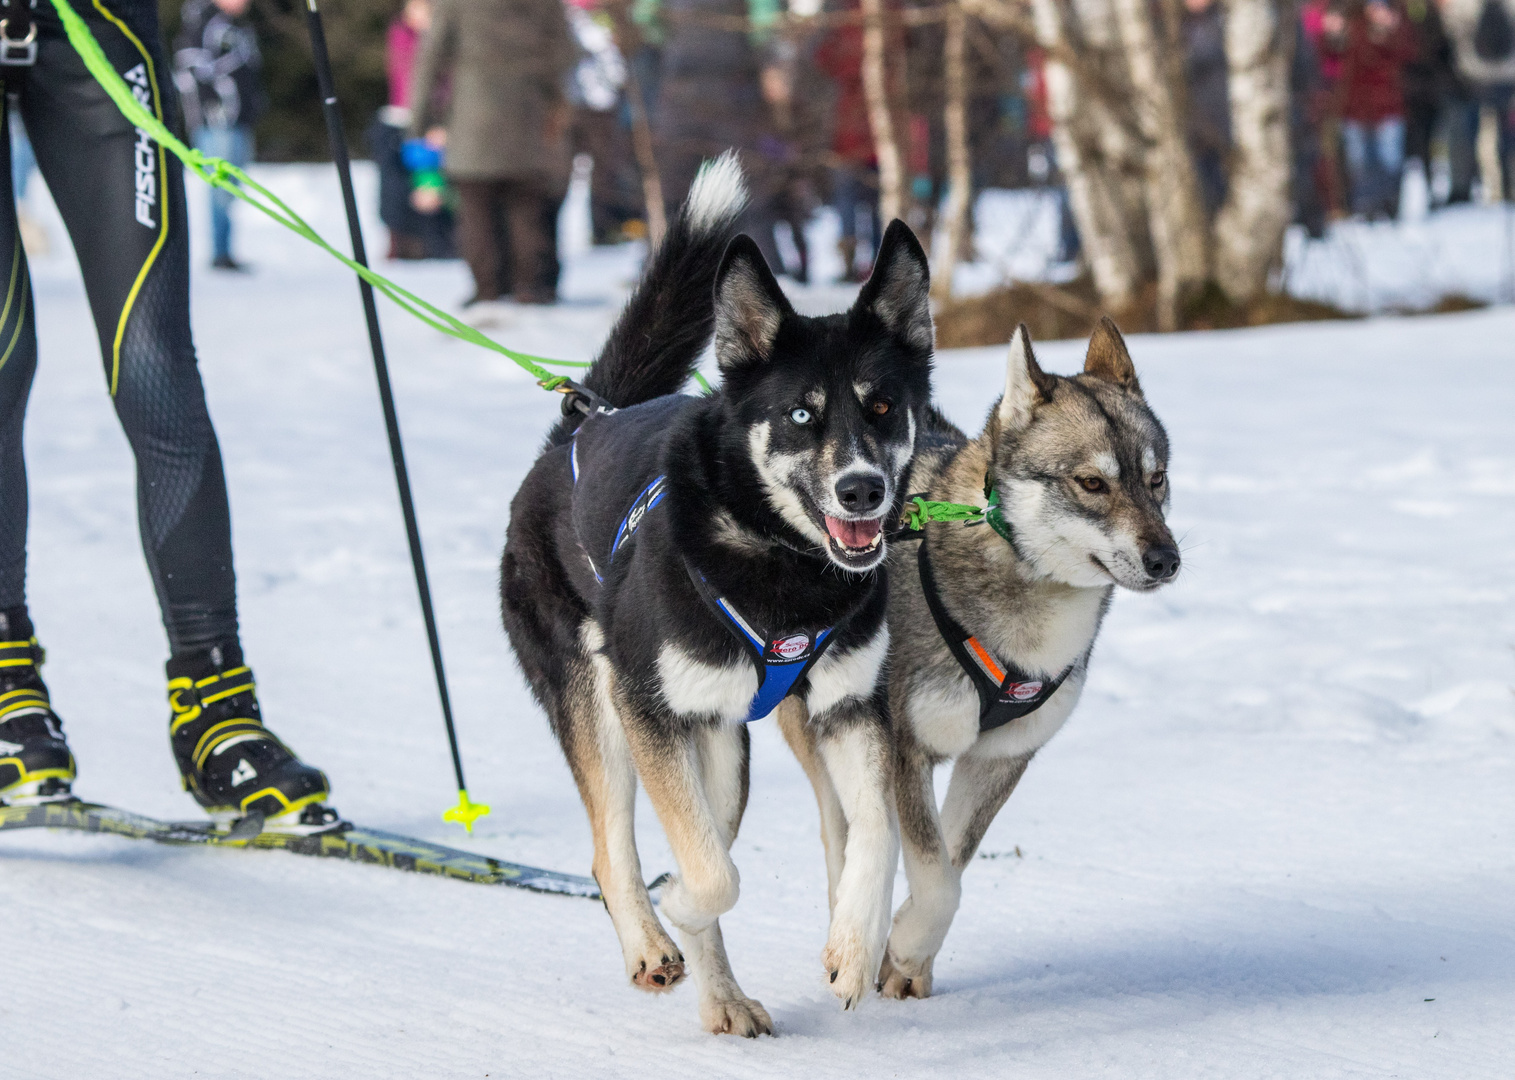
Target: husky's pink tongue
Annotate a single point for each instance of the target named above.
(853, 534)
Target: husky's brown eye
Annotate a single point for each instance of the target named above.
(880, 407)
(1093, 484)
(1159, 478)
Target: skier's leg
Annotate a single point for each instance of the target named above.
(34, 759)
(18, 363)
(122, 199)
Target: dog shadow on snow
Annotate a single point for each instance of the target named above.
(1127, 976)
(1300, 951)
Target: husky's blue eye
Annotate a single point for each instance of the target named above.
(800, 416)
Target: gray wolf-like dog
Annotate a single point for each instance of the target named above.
(678, 565)
(991, 626)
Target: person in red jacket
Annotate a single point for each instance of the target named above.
(855, 175)
(1374, 50)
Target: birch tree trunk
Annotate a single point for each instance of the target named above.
(1175, 210)
(959, 171)
(626, 38)
(1098, 150)
(647, 162)
(886, 144)
(1249, 230)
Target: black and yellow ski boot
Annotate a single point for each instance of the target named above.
(35, 762)
(237, 769)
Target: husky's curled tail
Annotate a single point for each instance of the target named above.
(665, 326)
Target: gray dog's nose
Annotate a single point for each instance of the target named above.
(1161, 562)
(860, 492)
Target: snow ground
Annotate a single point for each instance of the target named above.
(1274, 842)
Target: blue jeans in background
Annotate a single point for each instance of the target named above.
(857, 198)
(23, 161)
(1375, 156)
(233, 144)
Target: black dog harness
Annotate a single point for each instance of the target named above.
(1005, 692)
(782, 658)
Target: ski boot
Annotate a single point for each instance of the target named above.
(35, 762)
(244, 777)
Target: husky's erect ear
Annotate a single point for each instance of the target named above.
(749, 305)
(899, 290)
(1108, 358)
(1026, 384)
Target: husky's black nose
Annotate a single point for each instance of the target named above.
(860, 492)
(1161, 562)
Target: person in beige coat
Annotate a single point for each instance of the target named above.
(1483, 42)
(490, 88)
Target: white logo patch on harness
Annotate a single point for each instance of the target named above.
(1023, 691)
(792, 646)
(145, 157)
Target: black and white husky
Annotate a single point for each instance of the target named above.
(992, 625)
(675, 568)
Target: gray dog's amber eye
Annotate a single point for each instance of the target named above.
(1158, 478)
(800, 416)
(1093, 484)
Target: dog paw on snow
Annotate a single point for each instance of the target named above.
(902, 979)
(736, 1016)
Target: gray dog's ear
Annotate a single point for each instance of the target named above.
(749, 306)
(1108, 359)
(899, 290)
(1026, 384)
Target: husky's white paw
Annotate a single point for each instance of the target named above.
(658, 969)
(736, 1016)
(849, 966)
(905, 978)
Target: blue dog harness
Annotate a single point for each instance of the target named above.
(650, 496)
(781, 659)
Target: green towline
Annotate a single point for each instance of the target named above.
(224, 175)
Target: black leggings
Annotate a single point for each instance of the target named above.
(122, 198)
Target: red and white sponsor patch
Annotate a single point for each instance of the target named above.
(1024, 691)
(792, 646)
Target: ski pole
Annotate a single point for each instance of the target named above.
(466, 812)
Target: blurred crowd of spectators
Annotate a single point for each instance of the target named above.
(491, 101)
(502, 94)
(1385, 84)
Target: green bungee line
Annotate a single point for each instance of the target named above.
(919, 510)
(227, 177)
